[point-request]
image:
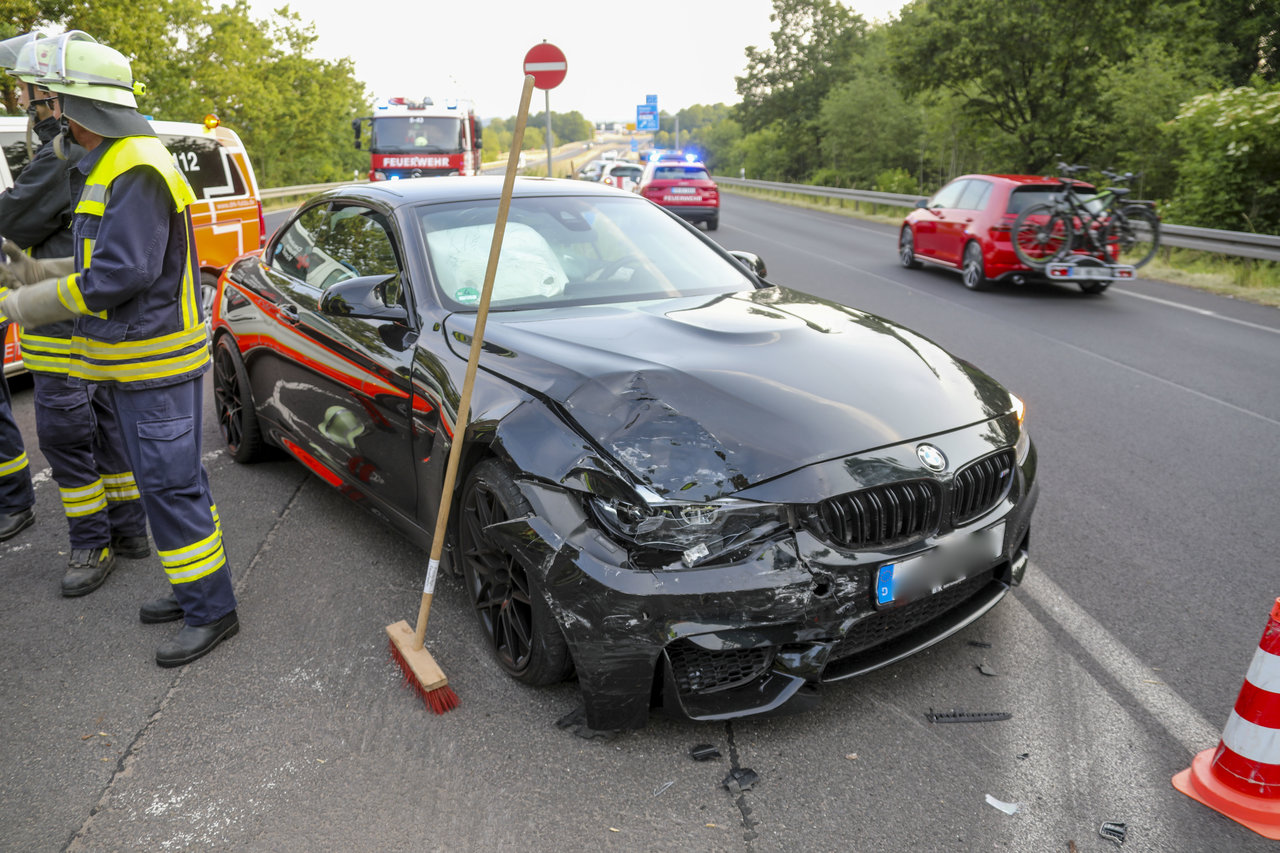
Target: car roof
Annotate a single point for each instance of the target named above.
(411, 191)
(1012, 179)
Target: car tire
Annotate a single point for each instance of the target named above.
(713, 223)
(517, 622)
(907, 249)
(208, 291)
(233, 404)
(974, 269)
(1093, 287)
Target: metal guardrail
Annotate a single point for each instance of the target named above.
(1240, 244)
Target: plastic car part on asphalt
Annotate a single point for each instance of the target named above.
(954, 716)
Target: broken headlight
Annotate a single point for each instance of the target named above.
(696, 531)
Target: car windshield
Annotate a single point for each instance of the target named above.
(568, 250)
(1024, 197)
(417, 134)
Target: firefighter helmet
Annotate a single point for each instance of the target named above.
(12, 48)
(89, 70)
(33, 58)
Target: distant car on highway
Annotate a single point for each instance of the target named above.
(967, 226)
(622, 174)
(659, 490)
(686, 189)
(590, 171)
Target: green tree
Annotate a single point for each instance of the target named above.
(1230, 175)
(865, 124)
(1028, 68)
(784, 85)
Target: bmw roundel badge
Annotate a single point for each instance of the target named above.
(932, 457)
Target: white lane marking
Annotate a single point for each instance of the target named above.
(1141, 682)
(1203, 312)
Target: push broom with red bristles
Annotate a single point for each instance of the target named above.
(420, 669)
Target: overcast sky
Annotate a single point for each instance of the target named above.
(685, 53)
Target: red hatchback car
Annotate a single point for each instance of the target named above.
(684, 188)
(967, 226)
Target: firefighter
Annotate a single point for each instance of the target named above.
(139, 331)
(77, 431)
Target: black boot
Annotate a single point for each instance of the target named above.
(13, 523)
(131, 547)
(87, 570)
(161, 610)
(195, 641)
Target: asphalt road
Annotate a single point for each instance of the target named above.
(1156, 412)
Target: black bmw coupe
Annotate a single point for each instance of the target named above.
(689, 487)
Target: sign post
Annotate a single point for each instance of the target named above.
(548, 66)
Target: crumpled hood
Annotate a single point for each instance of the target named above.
(701, 397)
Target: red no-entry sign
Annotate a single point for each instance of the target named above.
(547, 64)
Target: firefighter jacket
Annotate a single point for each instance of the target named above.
(35, 213)
(136, 289)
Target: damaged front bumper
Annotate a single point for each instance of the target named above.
(760, 634)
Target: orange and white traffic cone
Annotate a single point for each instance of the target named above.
(1241, 778)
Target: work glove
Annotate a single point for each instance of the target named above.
(23, 269)
(34, 305)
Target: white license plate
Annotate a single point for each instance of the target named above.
(951, 561)
(1075, 271)
(684, 190)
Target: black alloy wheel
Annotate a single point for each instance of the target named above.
(233, 402)
(974, 272)
(516, 620)
(907, 249)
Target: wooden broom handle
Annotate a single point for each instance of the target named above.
(473, 361)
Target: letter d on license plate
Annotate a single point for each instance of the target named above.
(950, 562)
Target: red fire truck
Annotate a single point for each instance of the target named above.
(419, 139)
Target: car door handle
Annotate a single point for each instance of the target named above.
(289, 314)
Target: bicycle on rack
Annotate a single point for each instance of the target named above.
(1078, 223)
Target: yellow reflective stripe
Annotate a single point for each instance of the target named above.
(195, 561)
(93, 199)
(13, 466)
(45, 354)
(168, 344)
(84, 500)
(69, 295)
(121, 487)
(189, 311)
(142, 370)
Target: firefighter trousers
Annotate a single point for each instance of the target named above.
(16, 492)
(161, 428)
(80, 438)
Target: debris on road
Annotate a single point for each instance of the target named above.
(1007, 808)
(985, 669)
(1114, 831)
(664, 786)
(853, 756)
(954, 716)
(978, 644)
(740, 779)
(703, 752)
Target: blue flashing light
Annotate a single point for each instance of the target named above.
(691, 158)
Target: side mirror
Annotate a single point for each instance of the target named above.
(370, 297)
(924, 202)
(753, 261)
